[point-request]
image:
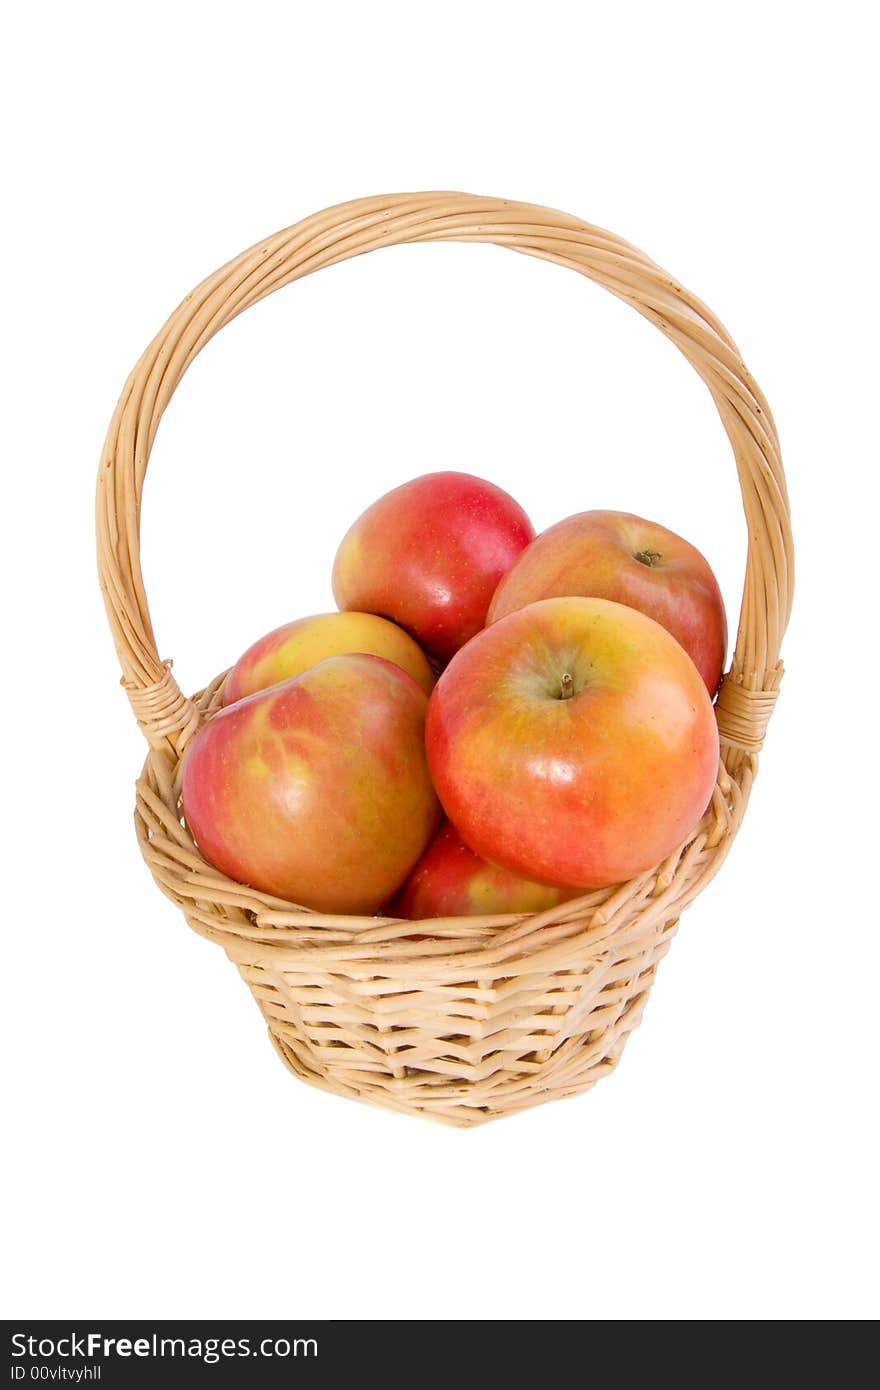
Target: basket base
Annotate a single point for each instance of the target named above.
(569, 1069)
(448, 1109)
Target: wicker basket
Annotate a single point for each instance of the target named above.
(490, 1014)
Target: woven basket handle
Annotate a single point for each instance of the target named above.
(166, 716)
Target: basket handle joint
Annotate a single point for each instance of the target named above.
(743, 709)
(162, 711)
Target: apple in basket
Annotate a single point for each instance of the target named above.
(316, 790)
(616, 556)
(429, 556)
(451, 881)
(293, 648)
(573, 742)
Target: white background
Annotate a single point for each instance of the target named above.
(159, 1161)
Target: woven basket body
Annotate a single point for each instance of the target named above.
(486, 1015)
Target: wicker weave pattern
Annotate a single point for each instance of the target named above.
(493, 1014)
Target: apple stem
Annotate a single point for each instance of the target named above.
(567, 687)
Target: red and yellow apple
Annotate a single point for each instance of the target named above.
(316, 790)
(614, 555)
(573, 742)
(451, 881)
(293, 648)
(429, 555)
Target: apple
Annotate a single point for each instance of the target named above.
(316, 790)
(293, 648)
(429, 555)
(573, 742)
(451, 881)
(616, 556)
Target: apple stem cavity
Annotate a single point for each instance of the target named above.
(567, 687)
(648, 557)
